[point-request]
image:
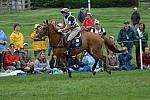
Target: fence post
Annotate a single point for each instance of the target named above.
(141, 59)
(89, 5)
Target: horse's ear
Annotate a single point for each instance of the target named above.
(46, 21)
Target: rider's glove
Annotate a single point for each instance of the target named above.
(60, 30)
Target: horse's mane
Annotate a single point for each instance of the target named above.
(53, 23)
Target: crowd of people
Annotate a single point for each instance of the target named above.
(18, 56)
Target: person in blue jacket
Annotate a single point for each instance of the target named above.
(81, 15)
(3, 42)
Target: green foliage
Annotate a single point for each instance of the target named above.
(83, 3)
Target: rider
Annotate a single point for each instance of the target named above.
(70, 27)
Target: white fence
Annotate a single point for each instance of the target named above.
(14, 5)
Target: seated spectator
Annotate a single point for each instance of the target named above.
(146, 58)
(11, 59)
(41, 64)
(88, 62)
(112, 61)
(81, 16)
(98, 28)
(57, 63)
(74, 64)
(26, 59)
(3, 42)
(125, 61)
(88, 23)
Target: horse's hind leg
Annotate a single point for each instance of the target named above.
(96, 61)
(102, 57)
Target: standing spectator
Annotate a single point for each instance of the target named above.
(146, 58)
(11, 59)
(98, 28)
(125, 61)
(41, 64)
(26, 59)
(56, 63)
(88, 23)
(135, 18)
(39, 44)
(16, 37)
(3, 42)
(140, 33)
(87, 11)
(74, 64)
(126, 37)
(81, 16)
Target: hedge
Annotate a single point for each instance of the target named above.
(83, 3)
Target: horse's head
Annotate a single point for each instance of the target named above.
(48, 28)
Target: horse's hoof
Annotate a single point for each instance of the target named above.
(109, 72)
(94, 73)
(70, 76)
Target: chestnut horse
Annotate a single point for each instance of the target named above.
(92, 43)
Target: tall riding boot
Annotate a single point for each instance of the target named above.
(68, 48)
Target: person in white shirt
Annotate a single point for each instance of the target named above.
(98, 28)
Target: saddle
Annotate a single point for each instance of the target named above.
(76, 42)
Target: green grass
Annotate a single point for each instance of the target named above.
(121, 85)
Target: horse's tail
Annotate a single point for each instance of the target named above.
(111, 46)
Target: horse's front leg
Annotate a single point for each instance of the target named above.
(66, 66)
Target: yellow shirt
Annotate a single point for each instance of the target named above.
(17, 39)
(38, 44)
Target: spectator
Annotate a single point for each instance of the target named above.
(39, 44)
(146, 58)
(125, 61)
(16, 37)
(98, 28)
(11, 59)
(88, 23)
(57, 63)
(74, 64)
(41, 64)
(88, 62)
(87, 11)
(3, 42)
(112, 61)
(143, 35)
(126, 37)
(26, 59)
(135, 18)
(81, 16)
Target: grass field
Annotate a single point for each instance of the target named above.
(121, 85)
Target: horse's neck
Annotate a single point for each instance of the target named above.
(54, 37)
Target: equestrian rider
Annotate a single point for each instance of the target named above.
(70, 27)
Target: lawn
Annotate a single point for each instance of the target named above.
(121, 85)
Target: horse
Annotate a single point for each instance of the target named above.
(91, 42)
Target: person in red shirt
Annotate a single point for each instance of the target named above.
(146, 58)
(88, 23)
(11, 59)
